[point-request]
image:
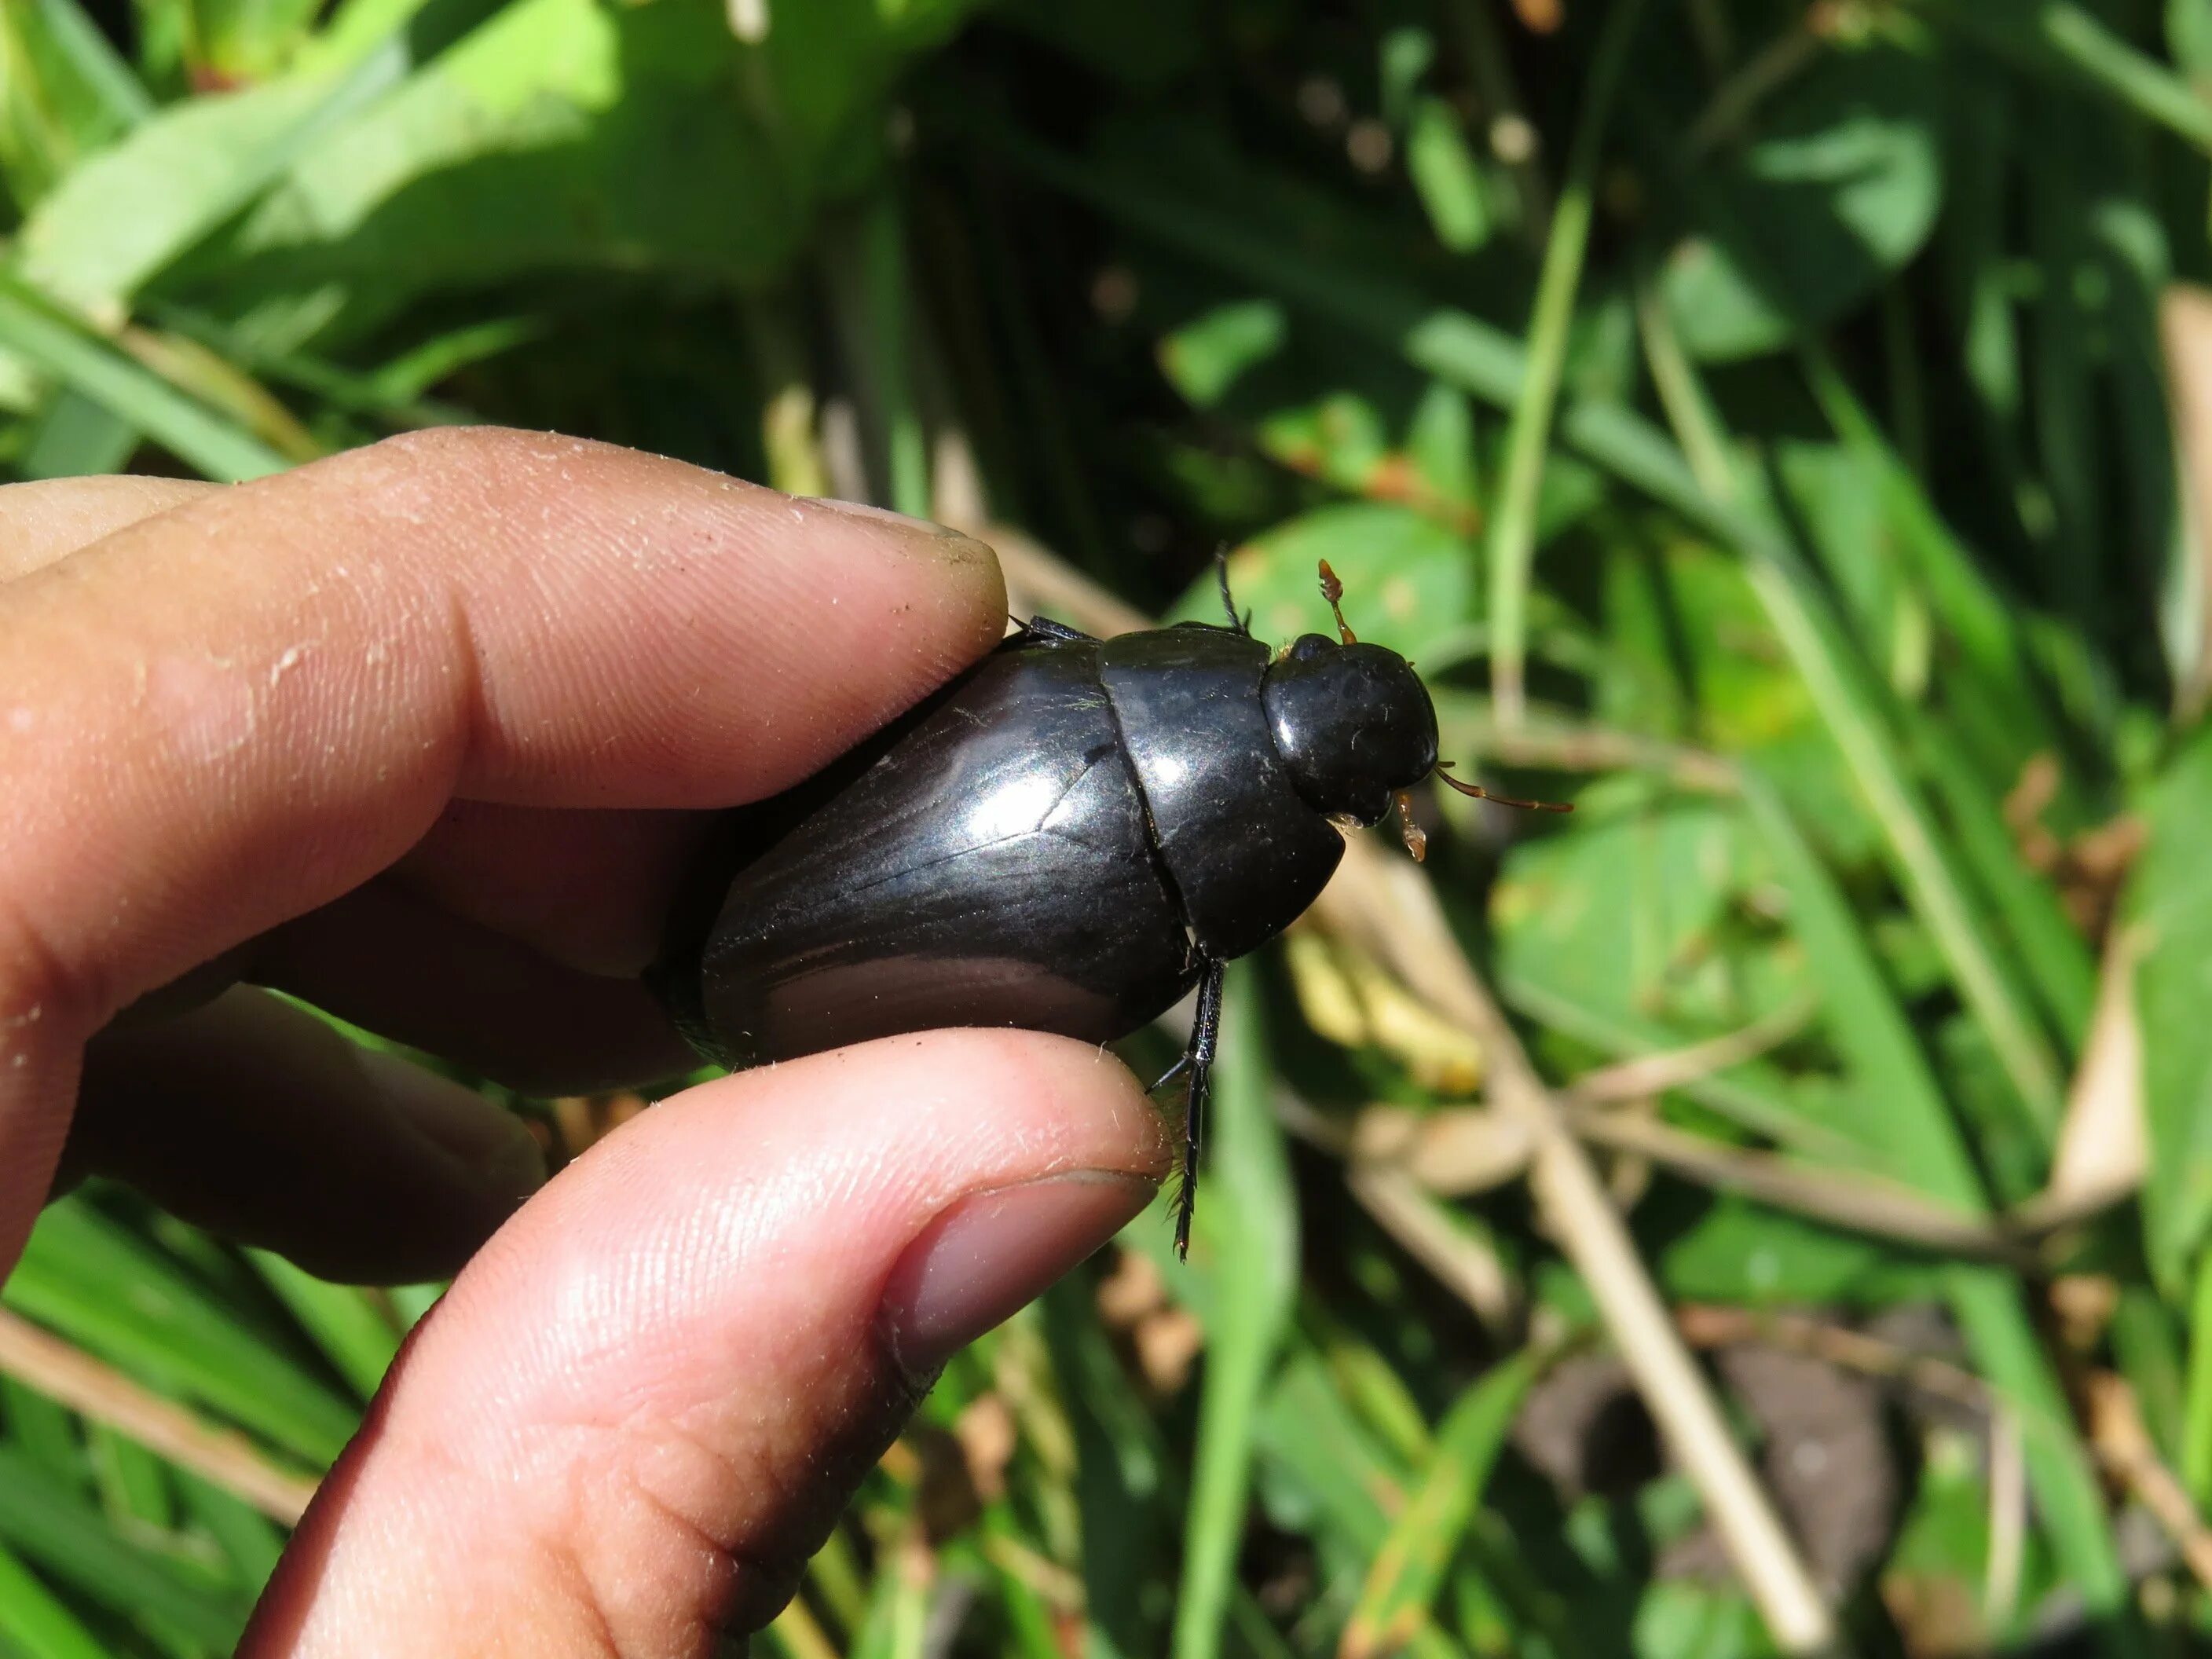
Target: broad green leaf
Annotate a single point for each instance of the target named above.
(1838, 189)
(130, 212)
(1408, 581)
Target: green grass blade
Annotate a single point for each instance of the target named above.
(45, 1524)
(35, 1623)
(129, 213)
(109, 1291)
(1513, 530)
(1246, 1242)
(134, 1483)
(249, 1540)
(887, 280)
(1877, 1037)
(2168, 905)
(2196, 1422)
(88, 365)
(96, 62)
(2064, 39)
(76, 438)
(346, 1323)
(44, 1431)
(1408, 1570)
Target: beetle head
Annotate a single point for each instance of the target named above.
(1353, 721)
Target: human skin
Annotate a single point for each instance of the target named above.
(422, 733)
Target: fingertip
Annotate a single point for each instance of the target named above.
(707, 1328)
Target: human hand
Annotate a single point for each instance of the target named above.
(421, 733)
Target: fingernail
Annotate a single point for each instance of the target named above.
(885, 515)
(492, 1144)
(992, 1252)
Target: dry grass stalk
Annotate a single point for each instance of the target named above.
(221, 1458)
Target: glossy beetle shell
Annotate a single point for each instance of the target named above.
(1055, 841)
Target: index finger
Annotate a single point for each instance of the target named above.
(221, 718)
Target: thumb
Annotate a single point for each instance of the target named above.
(639, 1409)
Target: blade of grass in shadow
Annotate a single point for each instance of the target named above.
(1860, 716)
(1121, 1469)
(108, 1291)
(1873, 1033)
(43, 1523)
(44, 1431)
(346, 1323)
(134, 1484)
(74, 437)
(1513, 528)
(2065, 41)
(2056, 961)
(897, 1624)
(889, 286)
(247, 1538)
(1860, 713)
(81, 359)
(1246, 1243)
(33, 1620)
(98, 65)
(1408, 1570)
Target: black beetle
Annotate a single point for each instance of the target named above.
(1067, 837)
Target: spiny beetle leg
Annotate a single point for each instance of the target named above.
(1205, 1034)
(1242, 624)
(1059, 633)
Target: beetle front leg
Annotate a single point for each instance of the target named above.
(1198, 1061)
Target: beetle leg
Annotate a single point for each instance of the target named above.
(1205, 1034)
(1240, 624)
(1058, 633)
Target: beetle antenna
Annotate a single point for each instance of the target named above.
(1333, 591)
(1443, 776)
(1242, 624)
(1415, 837)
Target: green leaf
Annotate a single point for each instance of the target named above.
(1408, 581)
(1454, 190)
(1840, 188)
(563, 136)
(1204, 358)
(130, 212)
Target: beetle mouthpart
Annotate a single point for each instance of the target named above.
(1333, 591)
(1443, 776)
(1415, 837)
